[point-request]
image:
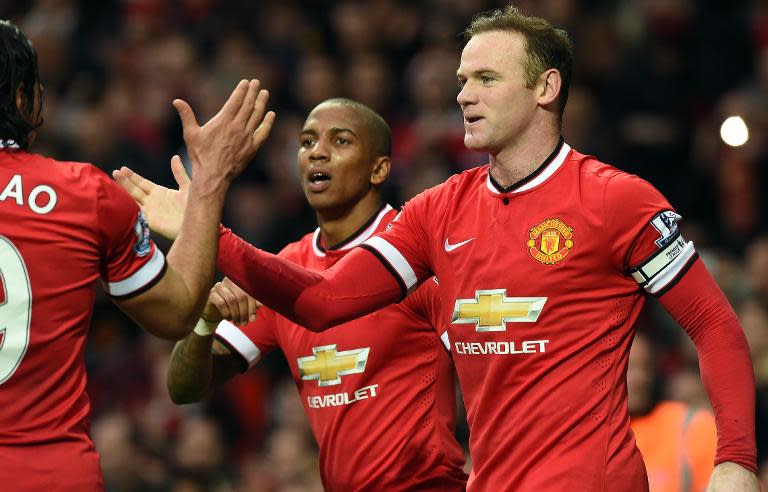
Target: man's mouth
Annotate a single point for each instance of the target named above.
(318, 176)
(319, 181)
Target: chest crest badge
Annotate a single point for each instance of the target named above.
(550, 242)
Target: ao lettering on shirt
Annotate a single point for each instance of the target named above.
(40, 200)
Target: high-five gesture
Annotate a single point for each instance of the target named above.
(220, 149)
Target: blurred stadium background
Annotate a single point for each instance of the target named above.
(654, 81)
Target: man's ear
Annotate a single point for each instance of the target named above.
(21, 102)
(381, 168)
(548, 87)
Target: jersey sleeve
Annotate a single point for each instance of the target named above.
(402, 247)
(251, 340)
(130, 261)
(700, 307)
(356, 285)
(648, 245)
(645, 234)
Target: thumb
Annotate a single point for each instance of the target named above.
(188, 120)
(179, 172)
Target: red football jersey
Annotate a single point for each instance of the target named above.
(65, 225)
(540, 284)
(378, 391)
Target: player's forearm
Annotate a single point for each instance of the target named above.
(726, 369)
(190, 370)
(357, 285)
(193, 254)
(729, 381)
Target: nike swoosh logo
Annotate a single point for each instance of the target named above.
(450, 247)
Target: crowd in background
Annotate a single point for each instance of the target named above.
(653, 81)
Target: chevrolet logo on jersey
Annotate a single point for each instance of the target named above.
(328, 365)
(490, 310)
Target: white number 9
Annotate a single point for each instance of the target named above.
(15, 308)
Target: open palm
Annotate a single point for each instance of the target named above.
(162, 207)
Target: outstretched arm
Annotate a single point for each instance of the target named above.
(357, 285)
(219, 151)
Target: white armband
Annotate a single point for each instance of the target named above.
(663, 268)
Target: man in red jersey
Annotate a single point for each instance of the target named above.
(378, 391)
(66, 225)
(544, 256)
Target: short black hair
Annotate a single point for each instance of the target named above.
(18, 68)
(381, 135)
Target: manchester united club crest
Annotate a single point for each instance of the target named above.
(550, 241)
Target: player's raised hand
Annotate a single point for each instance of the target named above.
(222, 148)
(731, 477)
(230, 302)
(162, 207)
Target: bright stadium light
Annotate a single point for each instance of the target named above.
(734, 131)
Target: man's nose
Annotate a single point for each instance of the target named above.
(319, 152)
(466, 95)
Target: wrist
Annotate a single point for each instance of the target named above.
(205, 328)
(209, 187)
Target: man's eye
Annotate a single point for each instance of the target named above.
(460, 84)
(485, 79)
(342, 141)
(307, 142)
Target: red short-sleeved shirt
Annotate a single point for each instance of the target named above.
(64, 226)
(378, 391)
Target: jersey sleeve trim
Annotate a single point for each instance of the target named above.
(390, 269)
(393, 260)
(141, 280)
(660, 270)
(236, 340)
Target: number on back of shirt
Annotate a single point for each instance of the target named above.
(15, 308)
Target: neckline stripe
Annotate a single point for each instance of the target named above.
(541, 174)
(355, 239)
